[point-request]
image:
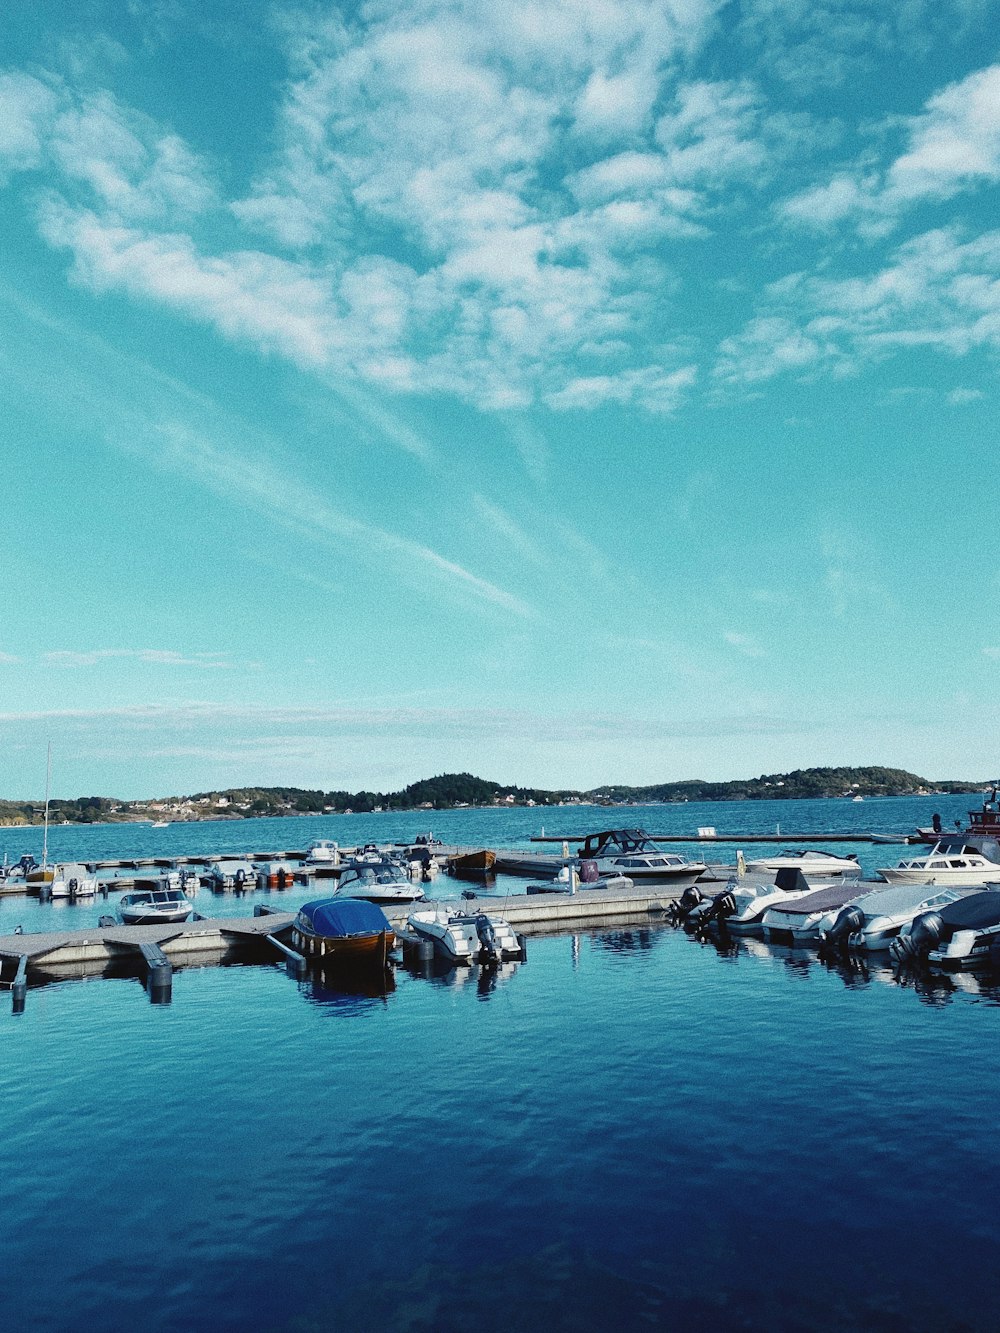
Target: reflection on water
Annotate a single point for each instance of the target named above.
(348, 990)
(627, 940)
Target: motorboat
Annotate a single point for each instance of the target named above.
(983, 823)
(229, 874)
(949, 862)
(323, 854)
(873, 920)
(962, 934)
(274, 874)
(466, 937)
(369, 855)
(343, 929)
(73, 880)
(801, 918)
(384, 882)
(148, 907)
(741, 905)
(810, 862)
(633, 853)
(569, 880)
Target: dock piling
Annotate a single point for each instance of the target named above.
(19, 986)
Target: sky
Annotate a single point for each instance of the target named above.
(571, 393)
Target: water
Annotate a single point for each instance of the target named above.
(631, 1129)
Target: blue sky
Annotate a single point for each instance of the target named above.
(570, 393)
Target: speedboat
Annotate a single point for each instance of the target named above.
(343, 929)
(745, 899)
(369, 855)
(808, 861)
(381, 883)
(948, 863)
(231, 874)
(962, 934)
(72, 880)
(873, 920)
(148, 907)
(322, 854)
(801, 919)
(633, 853)
(466, 937)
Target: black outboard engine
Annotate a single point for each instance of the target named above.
(714, 909)
(489, 949)
(850, 920)
(925, 934)
(681, 908)
(241, 880)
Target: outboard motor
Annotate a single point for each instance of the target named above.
(714, 909)
(925, 934)
(849, 921)
(489, 950)
(682, 907)
(241, 880)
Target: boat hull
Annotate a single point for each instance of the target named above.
(369, 947)
(147, 918)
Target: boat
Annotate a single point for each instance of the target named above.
(631, 852)
(369, 855)
(323, 854)
(160, 823)
(570, 881)
(810, 862)
(147, 907)
(274, 874)
(962, 934)
(73, 880)
(344, 930)
(800, 920)
(382, 883)
(232, 873)
(983, 823)
(949, 862)
(466, 937)
(873, 920)
(472, 865)
(742, 903)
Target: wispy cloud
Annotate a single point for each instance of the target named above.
(65, 657)
(743, 643)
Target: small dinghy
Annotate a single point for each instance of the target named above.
(472, 865)
(344, 930)
(466, 937)
(149, 907)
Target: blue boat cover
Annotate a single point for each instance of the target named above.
(339, 917)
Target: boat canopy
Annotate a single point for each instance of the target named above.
(973, 912)
(339, 917)
(615, 842)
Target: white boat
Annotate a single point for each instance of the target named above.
(946, 863)
(73, 880)
(631, 852)
(872, 921)
(369, 855)
(466, 937)
(147, 907)
(382, 883)
(323, 853)
(800, 919)
(808, 861)
(962, 934)
(160, 823)
(229, 874)
(745, 899)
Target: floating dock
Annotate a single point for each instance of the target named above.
(53, 955)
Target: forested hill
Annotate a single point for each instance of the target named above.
(449, 791)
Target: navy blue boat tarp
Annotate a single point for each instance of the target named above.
(337, 918)
(975, 912)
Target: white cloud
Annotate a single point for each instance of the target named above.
(65, 657)
(743, 643)
(961, 397)
(953, 145)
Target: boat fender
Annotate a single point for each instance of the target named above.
(849, 920)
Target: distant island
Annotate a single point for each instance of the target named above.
(457, 791)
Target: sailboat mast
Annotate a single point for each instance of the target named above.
(48, 780)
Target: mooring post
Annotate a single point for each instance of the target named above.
(19, 986)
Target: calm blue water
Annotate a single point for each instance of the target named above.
(631, 1129)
